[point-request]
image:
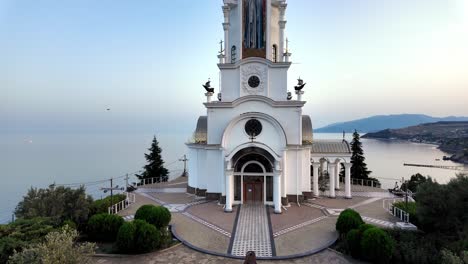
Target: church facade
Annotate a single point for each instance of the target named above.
(255, 144)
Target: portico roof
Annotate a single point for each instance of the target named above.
(330, 146)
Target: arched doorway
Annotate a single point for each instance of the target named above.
(253, 176)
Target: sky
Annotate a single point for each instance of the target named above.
(63, 63)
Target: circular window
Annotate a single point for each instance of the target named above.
(254, 81)
(253, 128)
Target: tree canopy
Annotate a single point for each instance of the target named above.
(61, 203)
(155, 167)
(359, 167)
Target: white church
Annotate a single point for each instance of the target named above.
(254, 144)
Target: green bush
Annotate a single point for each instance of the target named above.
(348, 219)
(376, 245)
(353, 242)
(69, 223)
(159, 216)
(102, 205)
(415, 247)
(104, 227)
(8, 246)
(126, 238)
(147, 237)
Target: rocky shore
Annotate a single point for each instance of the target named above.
(451, 137)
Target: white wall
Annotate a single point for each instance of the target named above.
(289, 118)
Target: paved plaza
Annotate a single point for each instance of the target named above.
(301, 230)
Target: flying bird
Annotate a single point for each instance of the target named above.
(207, 87)
(300, 84)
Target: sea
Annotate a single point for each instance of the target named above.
(88, 159)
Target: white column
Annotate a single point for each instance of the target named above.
(229, 182)
(331, 172)
(227, 49)
(315, 168)
(208, 97)
(282, 26)
(277, 192)
(348, 180)
(337, 172)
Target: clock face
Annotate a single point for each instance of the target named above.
(253, 128)
(254, 81)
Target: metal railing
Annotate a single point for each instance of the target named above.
(363, 182)
(395, 211)
(122, 205)
(153, 180)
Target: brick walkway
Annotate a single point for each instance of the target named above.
(252, 232)
(184, 255)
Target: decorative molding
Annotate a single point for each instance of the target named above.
(258, 98)
(254, 70)
(263, 61)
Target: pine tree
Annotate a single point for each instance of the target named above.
(155, 167)
(359, 167)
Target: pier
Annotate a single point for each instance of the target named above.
(460, 168)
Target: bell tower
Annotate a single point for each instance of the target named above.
(253, 60)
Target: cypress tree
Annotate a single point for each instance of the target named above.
(359, 167)
(155, 167)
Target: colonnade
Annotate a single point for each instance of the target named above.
(334, 181)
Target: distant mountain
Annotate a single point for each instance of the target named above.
(381, 122)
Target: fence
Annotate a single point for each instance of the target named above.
(395, 211)
(122, 205)
(363, 182)
(152, 180)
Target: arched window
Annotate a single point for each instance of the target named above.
(274, 55)
(233, 54)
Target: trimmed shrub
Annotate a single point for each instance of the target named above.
(377, 245)
(348, 219)
(104, 227)
(364, 227)
(147, 237)
(125, 241)
(353, 242)
(159, 216)
(163, 217)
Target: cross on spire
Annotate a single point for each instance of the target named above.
(221, 50)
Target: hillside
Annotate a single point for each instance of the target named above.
(452, 137)
(381, 122)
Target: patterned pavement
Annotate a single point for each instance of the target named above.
(379, 222)
(292, 228)
(252, 232)
(209, 225)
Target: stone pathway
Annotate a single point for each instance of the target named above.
(252, 232)
(184, 255)
(292, 228)
(362, 194)
(379, 222)
(173, 208)
(209, 225)
(161, 190)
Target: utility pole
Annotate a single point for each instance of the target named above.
(126, 182)
(111, 189)
(184, 159)
(406, 196)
